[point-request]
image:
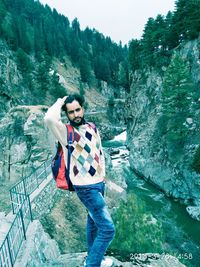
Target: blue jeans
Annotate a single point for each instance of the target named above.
(100, 227)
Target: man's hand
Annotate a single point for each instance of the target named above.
(64, 98)
(63, 103)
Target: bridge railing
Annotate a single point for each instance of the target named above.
(28, 185)
(21, 207)
(17, 233)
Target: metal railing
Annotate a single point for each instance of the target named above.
(21, 207)
(28, 185)
(16, 234)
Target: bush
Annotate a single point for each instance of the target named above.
(196, 161)
(136, 230)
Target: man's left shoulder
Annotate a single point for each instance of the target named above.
(92, 125)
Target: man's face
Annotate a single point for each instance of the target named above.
(75, 112)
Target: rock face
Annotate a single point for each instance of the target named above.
(24, 140)
(39, 250)
(148, 152)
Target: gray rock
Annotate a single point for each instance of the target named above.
(151, 155)
(39, 250)
(194, 212)
(25, 142)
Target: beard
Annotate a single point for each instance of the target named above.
(77, 121)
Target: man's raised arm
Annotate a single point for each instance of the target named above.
(53, 121)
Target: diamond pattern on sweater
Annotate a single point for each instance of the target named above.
(75, 170)
(77, 137)
(81, 160)
(86, 154)
(88, 135)
(87, 148)
(92, 171)
(96, 158)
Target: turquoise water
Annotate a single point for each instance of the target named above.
(182, 232)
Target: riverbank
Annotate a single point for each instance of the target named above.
(182, 233)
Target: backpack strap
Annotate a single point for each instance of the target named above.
(93, 126)
(70, 134)
(70, 140)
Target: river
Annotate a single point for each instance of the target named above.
(182, 232)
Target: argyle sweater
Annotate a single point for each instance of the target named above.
(87, 165)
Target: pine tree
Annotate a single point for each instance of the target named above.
(102, 69)
(186, 19)
(85, 67)
(135, 50)
(176, 99)
(124, 75)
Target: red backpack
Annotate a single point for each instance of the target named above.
(59, 170)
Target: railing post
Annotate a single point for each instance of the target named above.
(36, 175)
(30, 209)
(12, 202)
(9, 251)
(22, 220)
(24, 185)
(45, 169)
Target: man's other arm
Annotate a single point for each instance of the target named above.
(53, 121)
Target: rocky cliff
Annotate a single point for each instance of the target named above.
(150, 156)
(24, 141)
(41, 251)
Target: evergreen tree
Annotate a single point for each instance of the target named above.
(2, 12)
(76, 28)
(56, 89)
(35, 28)
(135, 51)
(23, 61)
(8, 30)
(124, 75)
(186, 19)
(172, 39)
(176, 99)
(102, 69)
(148, 41)
(81, 89)
(42, 75)
(85, 67)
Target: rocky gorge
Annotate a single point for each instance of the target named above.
(26, 142)
(150, 155)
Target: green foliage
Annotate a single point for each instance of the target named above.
(9, 30)
(186, 20)
(85, 66)
(55, 88)
(23, 61)
(123, 75)
(111, 101)
(81, 89)
(196, 161)
(163, 34)
(135, 50)
(136, 232)
(102, 69)
(2, 11)
(176, 99)
(28, 25)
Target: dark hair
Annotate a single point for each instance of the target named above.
(79, 98)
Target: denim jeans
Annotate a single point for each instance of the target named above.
(100, 227)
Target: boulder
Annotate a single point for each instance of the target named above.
(194, 212)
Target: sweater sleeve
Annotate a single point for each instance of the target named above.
(102, 158)
(53, 121)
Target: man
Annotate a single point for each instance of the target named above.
(87, 173)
